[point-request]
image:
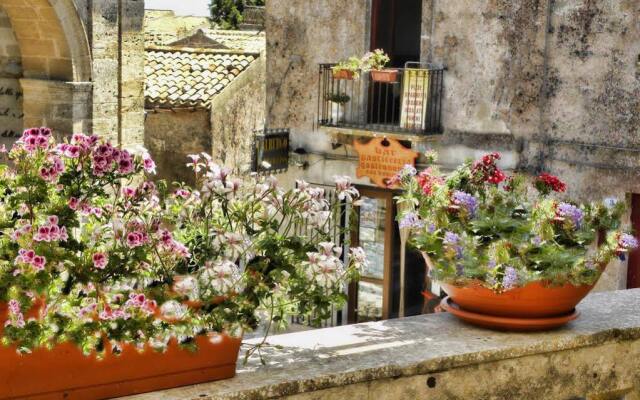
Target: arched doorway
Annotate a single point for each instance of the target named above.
(54, 67)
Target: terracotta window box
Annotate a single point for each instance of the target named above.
(343, 74)
(65, 373)
(385, 75)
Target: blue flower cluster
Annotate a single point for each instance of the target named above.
(573, 213)
(467, 201)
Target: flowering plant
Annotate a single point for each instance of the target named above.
(478, 225)
(375, 60)
(93, 253)
(249, 255)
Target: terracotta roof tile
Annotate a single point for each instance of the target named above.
(190, 78)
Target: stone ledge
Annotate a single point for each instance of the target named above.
(351, 360)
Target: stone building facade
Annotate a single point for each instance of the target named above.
(553, 85)
(73, 65)
(204, 93)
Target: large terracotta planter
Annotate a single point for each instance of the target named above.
(535, 306)
(65, 373)
(535, 300)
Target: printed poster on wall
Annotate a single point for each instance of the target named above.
(414, 99)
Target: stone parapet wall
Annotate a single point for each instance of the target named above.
(437, 357)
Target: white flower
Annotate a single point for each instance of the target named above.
(221, 278)
(187, 287)
(344, 188)
(173, 310)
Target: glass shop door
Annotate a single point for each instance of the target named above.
(377, 295)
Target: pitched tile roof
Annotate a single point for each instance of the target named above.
(183, 77)
(252, 41)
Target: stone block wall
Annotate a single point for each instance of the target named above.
(118, 61)
(171, 135)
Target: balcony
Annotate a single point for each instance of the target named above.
(407, 104)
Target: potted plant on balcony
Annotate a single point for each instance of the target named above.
(375, 62)
(509, 256)
(348, 69)
(337, 102)
(109, 287)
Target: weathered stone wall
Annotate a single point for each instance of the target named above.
(300, 35)
(118, 59)
(237, 112)
(170, 136)
(10, 89)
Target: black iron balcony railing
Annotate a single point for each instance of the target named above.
(408, 101)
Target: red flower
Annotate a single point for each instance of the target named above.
(546, 183)
(426, 181)
(486, 170)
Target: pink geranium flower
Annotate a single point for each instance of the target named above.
(100, 260)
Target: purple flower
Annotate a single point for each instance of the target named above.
(571, 212)
(627, 242)
(510, 279)
(411, 221)
(451, 238)
(467, 201)
(408, 170)
(537, 240)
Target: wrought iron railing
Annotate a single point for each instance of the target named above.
(409, 101)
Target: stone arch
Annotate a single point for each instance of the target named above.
(52, 40)
(56, 63)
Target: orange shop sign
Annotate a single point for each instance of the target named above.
(381, 158)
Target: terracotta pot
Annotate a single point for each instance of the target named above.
(65, 373)
(343, 74)
(385, 75)
(535, 300)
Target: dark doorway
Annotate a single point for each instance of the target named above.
(633, 273)
(396, 28)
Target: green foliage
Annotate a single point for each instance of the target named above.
(228, 14)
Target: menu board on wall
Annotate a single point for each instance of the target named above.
(414, 98)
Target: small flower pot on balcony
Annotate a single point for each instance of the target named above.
(385, 75)
(64, 372)
(344, 74)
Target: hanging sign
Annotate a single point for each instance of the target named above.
(381, 159)
(414, 98)
(271, 151)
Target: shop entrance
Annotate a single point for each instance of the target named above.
(377, 295)
(633, 273)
